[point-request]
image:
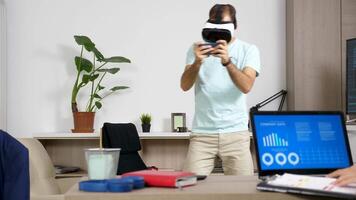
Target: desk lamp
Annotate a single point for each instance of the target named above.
(282, 93)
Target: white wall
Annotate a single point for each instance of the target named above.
(155, 35)
(2, 65)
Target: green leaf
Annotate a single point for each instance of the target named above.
(83, 64)
(118, 88)
(95, 76)
(97, 96)
(100, 87)
(84, 40)
(117, 59)
(111, 71)
(82, 84)
(89, 47)
(86, 78)
(77, 63)
(146, 118)
(81, 39)
(98, 54)
(98, 104)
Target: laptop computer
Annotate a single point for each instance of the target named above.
(300, 142)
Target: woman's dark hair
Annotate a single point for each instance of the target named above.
(218, 11)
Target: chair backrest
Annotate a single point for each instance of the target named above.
(42, 173)
(14, 169)
(124, 136)
(121, 135)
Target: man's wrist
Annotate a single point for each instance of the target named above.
(227, 63)
(197, 63)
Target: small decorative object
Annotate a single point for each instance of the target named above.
(146, 122)
(91, 73)
(178, 122)
(182, 129)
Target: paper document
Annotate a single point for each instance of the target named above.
(311, 182)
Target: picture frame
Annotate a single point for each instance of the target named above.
(178, 120)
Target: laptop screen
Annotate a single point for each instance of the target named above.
(301, 141)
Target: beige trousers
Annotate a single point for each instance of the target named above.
(232, 148)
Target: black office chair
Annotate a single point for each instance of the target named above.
(14, 169)
(124, 136)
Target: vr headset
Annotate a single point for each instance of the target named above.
(214, 31)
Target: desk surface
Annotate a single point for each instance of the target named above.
(214, 187)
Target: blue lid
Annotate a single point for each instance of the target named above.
(138, 181)
(125, 184)
(121, 181)
(120, 185)
(93, 186)
(135, 178)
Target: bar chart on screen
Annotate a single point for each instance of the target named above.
(273, 140)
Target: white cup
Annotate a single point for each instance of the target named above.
(102, 163)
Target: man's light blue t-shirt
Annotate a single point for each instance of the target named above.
(220, 107)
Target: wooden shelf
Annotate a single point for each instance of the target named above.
(64, 135)
(95, 136)
(68, 135)
(79, 173)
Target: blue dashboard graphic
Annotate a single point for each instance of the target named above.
(300, 141)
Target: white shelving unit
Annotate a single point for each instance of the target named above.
(151, 135)
(161, 149)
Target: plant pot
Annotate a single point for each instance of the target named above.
(146, 127)
(83, 122)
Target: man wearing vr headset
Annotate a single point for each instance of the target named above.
(223, 70)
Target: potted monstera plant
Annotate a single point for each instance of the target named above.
(90, 73)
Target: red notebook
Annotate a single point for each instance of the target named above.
(165, 178)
